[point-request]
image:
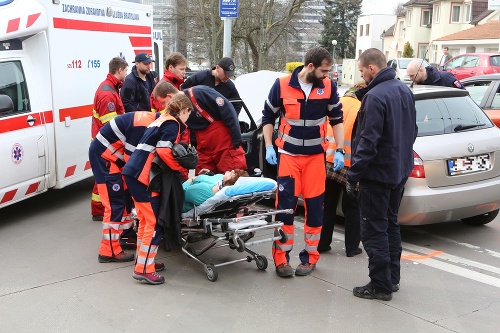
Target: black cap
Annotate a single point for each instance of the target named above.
(143, 57)
(227, 65)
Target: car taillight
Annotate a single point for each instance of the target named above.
(418, 169)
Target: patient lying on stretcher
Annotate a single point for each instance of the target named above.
(198, 189)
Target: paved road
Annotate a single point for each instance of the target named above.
(50, 281)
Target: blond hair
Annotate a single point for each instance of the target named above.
(178, 103)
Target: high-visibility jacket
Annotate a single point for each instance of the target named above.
(158, 140)
(107, 103)
(350, 106)
(303, 123)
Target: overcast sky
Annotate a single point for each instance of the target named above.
(380, 6)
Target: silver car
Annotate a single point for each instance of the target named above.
(456, 175)
(400, 64)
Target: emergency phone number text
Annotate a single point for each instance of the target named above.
(90, 63)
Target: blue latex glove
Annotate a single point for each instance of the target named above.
(271, 155)
(338, 161)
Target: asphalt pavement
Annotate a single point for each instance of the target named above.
(51, 281)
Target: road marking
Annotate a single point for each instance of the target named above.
(414, 256)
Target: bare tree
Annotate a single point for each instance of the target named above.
(399, 10)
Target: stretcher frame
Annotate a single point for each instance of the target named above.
(232, 223)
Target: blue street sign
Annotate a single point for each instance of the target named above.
(228, 8)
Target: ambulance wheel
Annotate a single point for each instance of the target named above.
(284, 236)
(211, 273)
(240, 245)
(261, 262)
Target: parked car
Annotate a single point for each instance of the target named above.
(485, 91)
(455, 175)
(336, 74)
(400, 64)
(473, 64)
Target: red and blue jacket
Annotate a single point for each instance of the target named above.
(303, 122)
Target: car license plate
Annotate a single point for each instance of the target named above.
(469, 164)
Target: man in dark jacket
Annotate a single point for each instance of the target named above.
(431, 75)
(382, 161)
(138, 85)
(219, 79)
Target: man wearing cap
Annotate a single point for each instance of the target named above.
(219, 79)
(138, 85)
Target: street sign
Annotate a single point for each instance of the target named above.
(493, 4)
(228, 8)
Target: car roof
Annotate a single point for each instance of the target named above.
(482, 77)
(428, 92)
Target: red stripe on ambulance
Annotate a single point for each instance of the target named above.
(13, 25)
(77, 112)
(70, 171)
(20, 122)
(32, 19)
(32, 188)
(8, 196)
(140, 41)
(60, 23)
(87, 166)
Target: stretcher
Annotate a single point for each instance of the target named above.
(228, 219)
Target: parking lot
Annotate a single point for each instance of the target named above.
(51, 282)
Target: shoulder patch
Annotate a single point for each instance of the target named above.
(320, 91)
(111, 106)
(219, 101)
(458, 84)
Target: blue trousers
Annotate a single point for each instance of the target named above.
(380, 233)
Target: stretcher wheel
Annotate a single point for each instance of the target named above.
(211, 273)
(261, 262)
(284, 236)
(240, 245)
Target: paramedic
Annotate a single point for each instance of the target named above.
(304, 101)
(107, 105)
(110, 150)
(138, 85)
(380, 165)
(430, 75)
(158, 140)
(175, 69)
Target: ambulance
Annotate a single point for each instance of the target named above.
(53, 56)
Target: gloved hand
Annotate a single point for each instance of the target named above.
(338, 161)
(352, 189)
(236, 145)
(271, 155)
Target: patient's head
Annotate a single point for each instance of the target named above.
(230, 177)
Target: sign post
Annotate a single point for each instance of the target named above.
(228, 9)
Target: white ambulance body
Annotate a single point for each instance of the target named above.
(53, 56)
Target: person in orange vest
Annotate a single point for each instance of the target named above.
(107, 105)
(336, 182)
(158, 140)
(304, 102)
(175, 70)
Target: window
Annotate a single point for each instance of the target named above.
(401, 28)
(426, 18)
(13, 84)
(478, 90)
(455, 13)
(361, 30)
(471, 61)
(423, 51)
(367, 32)
(463, 111)
(468, 12)
(430, 121)
(408, 17)
(495, 61)
(437, 13)
(455, 63)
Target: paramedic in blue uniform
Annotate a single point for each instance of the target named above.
(138, 85)
(430, 75)
(381, 163)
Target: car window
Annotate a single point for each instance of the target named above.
(495, 61)
(463, 111)
(430, 121)
(13, 84)
(478, 90)
(455, 63)
(471, 61)
(495, 104)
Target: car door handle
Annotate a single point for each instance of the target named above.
(31, 120)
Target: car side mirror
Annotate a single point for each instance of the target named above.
(6, 104)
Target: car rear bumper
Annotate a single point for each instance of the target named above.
(424, 205)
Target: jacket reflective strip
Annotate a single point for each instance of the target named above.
(117, 131)
(144, 261)
(305, 122)
(312, 236)
(332, 106)
(149, 249)
(300, 142)
(164, 144)
(107, 117)
(311, 248)
(96, 197)
(107, 236)
(272, 107)
(146, 147)
(106, 144)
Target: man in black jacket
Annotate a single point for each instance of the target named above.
(431, 75)
(219, 79)
(380, 165)
(138, 85)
